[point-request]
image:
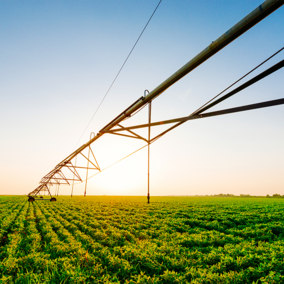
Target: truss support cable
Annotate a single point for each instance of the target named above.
(116, 162)
(240, 88)
(242, 26)
(149, 137)
(243, 108)
(257, 78)
(74, 176)
(239, 80)
(120, 70)
(88, 165)
(204, 115)
(258, 14)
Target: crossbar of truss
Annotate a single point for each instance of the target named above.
(132, 132)
(125, 135)
(263, 10)
(98, 167)
(77, 167)
(75, 173)
(209, 114)
(89, 160)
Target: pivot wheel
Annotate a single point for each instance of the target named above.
(31, 199)
(53, 199)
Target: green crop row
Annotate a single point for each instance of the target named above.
(125, 240)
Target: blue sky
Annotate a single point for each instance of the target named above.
(58, 58)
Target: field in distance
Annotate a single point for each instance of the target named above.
(125, 240)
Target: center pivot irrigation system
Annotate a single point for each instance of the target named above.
(67, 170)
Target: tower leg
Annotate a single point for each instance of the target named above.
(88, 164)
(87, 173)
(149, 137)
(74, 176)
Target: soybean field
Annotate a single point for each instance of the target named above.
(125, 240)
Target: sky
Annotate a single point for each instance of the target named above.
(58, 59)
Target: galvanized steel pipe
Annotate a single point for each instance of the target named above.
(258, 14)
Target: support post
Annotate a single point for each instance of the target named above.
(87, 172)
(74, 176)
(149, 138)
(88, 164)
(258, 14)
(48, 190)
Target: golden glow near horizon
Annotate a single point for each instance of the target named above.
(58, 60)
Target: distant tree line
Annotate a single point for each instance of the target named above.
(276, 195)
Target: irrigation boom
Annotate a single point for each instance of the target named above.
(56, 176)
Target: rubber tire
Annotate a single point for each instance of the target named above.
(53, 199)
(31, 199)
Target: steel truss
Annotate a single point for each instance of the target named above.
(57, 177)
